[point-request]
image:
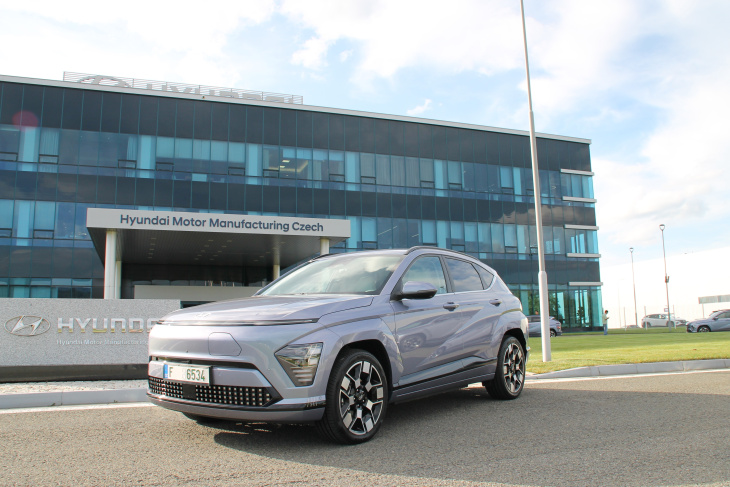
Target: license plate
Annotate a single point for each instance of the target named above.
(187, 373)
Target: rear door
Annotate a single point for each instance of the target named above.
(480, 307)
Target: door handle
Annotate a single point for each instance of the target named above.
(495, 302)
(451, 306)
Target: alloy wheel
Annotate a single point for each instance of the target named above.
(361, 398)
(513, 368)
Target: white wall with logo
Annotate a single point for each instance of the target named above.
(47, 332)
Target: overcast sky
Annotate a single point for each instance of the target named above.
(646, 81)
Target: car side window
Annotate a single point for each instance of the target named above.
(724, 315)
(464, 276)
(427, 269)
(487, 277)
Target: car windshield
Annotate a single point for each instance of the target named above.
(344, 274)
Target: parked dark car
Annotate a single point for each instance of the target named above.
(717, 321)
(556, 328)
(337, 339)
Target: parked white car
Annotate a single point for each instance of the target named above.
(660, 319)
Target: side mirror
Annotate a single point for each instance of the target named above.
(416, 290)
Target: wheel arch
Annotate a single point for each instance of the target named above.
(517, 333)
(377, 349)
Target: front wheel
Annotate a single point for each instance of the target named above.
(357, 398)
(509, 379)
(703, 329)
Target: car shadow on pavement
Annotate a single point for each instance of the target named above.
(546, 437)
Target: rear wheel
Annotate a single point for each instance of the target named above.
(509, 379)
(357, 398)
(703, 329)
(553, 333)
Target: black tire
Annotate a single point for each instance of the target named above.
(553, 333)
(703, 329)
(509, 378)
(357, 399)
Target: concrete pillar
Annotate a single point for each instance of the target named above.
(110, 261)
(324, 245)
(277, 260)
(118, 279)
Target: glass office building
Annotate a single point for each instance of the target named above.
(67, 146)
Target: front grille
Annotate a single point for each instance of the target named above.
(212, 394)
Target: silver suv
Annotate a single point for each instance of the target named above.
(337, 339)
(535, 326)
(717, 321)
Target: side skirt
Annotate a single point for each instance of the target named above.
(455, 380)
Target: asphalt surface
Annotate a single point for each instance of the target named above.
(653, 430)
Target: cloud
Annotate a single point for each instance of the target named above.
(313, 55)
(475, 35)
(345, 55)
(677, 175)
(420, 108)
(169, 28)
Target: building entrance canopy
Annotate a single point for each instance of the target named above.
(171, 237)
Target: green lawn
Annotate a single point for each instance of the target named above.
(621, 347)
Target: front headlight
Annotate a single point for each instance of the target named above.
(300, 362)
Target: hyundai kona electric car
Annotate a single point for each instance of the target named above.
(717, 321)
(336, 340)
(535, 326)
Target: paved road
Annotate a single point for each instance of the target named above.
(656, 430)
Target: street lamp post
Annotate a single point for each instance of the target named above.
(542, 274)
(666, 278)
(633, 280)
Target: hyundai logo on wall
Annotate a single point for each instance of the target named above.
(27, 326)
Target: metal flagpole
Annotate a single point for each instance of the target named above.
(542, 275)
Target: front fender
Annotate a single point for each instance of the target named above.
(372, 329)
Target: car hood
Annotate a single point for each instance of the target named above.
(705, 321)
(266, 310)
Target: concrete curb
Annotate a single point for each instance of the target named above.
(630, 369)
(72, 398)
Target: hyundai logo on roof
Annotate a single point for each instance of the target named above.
(184, 88)
(27, 326)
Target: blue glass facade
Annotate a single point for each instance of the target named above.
(400, 182)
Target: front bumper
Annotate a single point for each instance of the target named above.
(246, 381)
(235, 392)
(269, 415)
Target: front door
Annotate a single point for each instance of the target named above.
(425, 327)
